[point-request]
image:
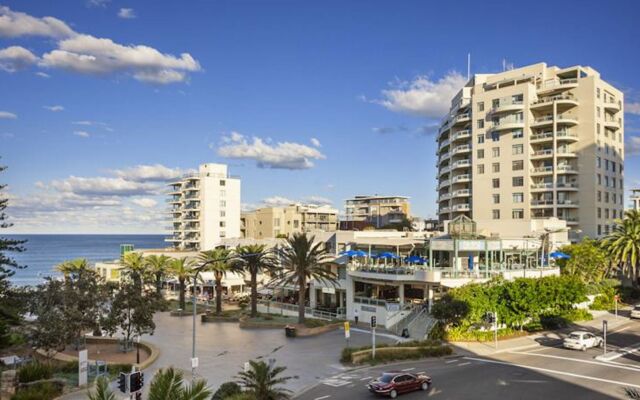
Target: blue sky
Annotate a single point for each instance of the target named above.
(307, 101)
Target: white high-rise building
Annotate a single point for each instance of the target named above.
(204, 208)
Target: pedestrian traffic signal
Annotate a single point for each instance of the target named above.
(122, 382)
(490, 318)
(136, 381)
(373, 321)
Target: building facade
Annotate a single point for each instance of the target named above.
(533, 143)
(271, 222)
(204, 208)
(376, 211)
(635, 199)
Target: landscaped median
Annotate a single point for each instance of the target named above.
(395, 352)
(311, 327)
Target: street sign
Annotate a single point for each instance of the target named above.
(194, 362)
(83, 367)
(373, 321)
(247, 366)
(347, 330)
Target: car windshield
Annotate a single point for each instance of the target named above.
(574, 336)
(386, 378)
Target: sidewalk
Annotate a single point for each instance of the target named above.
(541, 338)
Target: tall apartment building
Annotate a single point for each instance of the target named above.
(635, 199)
(375, 210)
(204, 208)
(270, 222)
(533, 143)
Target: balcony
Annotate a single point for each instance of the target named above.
(466, 163)
(173, 200)
(542, 137)
(566, 169)
(444, 210)
(539, 203)
(463, 134)
(461, 193)
(543, 186)
(508, 106)
(612, 123)
(460, 207)
(507, 123)
(461, 178)
(566, 136)
(444, 183)
(548, 169)
(560, 100)
(443, 157)
(568, 203)
(444, 144)
(545, 153)
(571, 186)
(461, 118)
(566, 119)
(445, 196)
(557, 84)
(611, 105)
(444, 170)
(465, 148)
(566, 153)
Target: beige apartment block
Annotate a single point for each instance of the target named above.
(534, 143)
(271, 222)
(377, 210)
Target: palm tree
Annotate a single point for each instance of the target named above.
(71, 269)
(168, 384)
(261, 380)
(220, 262)
(158, 266)
(255, 258)
(303, 261)
(102, 391)
(136, 267)
(181, 269)
(623, 244)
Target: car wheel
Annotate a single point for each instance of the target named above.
(393, 394)
(601, 343)
(424, 386)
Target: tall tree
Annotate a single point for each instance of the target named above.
(623, 244)
(168, 384)
(263, 382)
(136, 267)
(49, 331)
(158, 266)
(7, 264)
(255, 259)
(304, 260)
(589, 261)
(182, 270)
(219, 261)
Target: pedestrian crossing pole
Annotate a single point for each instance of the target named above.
(373, 337)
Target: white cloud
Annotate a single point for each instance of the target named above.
(127, 13)
(315, 142)
(102, 186)
(632, 146)
(283, 155)
(43, 74)
(15, 24)
(54, 108)
(15, 58)
(83, 134)
(320, 200)
(422, 96)
(277, 201)
(7, 115)
(145, 173)
(145, 202)
(97, 3)
(90, 55)
(632, 108)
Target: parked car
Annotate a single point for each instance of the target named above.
(581, 340)
(635, 312)
(394, 383)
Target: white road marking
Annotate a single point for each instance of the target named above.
(322, 397)
(554, 372)
(451, 361)
(335, 382)
(366, 378)
(463, 364)
(620, 352)
(408, 369)
(621, 366)
(529, 381)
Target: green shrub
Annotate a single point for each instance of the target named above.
(115, 369)
(426, 348)
(437, 332)
(35, 371)
(605, 300)
(68, 367)
(314, 323)
(227, 390)
(46, 390)
(466, 334)
(577, 314)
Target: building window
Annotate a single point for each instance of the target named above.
(480, 169)
(599, 195)
(495, 167)
(480, 123)
(222, 224)
(606, 197)
(518, 213)
(495, 183)
(598, 112)
(599, 179)
(606, 213)
(223, 182)
(496, 199)
(223, 214)
(517, 134)
(614, 199)
(296, 223)
(276, 222)
(598, 128)
(598, 162)
(480, 153)
(613, 166)
(518, 197)
(223, 234)
(517, 149)
(606, 181)
(598, 93)
(614, 212)
(481, 106)
(517, 165)
(599, 229)
(495, 136)
(517, 181)
(495, 214)
(480, 139)
(495, 151)
(223, 203)
(223, 193)
(495, 103)
(599, 212)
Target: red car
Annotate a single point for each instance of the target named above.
(394, 383)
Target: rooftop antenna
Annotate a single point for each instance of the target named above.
(468, 66)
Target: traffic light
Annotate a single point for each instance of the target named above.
(373, 321)
(136, 381)
(490, 317)
(122, 382)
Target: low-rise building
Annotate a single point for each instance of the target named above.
(376, 211)
(272, 222)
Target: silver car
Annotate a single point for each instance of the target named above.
(635, 312)
(582, 340)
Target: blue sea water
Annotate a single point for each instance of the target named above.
(44, 252)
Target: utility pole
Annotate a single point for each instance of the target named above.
(373, 337)
(495, 331)
(604, 335)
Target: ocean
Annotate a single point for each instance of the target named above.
(44, 252)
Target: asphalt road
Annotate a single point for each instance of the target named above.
(545, 371)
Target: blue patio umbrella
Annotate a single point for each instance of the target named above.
(348, 253)
(386, 254)
(360, 253)
(415, 259)
(559, 255)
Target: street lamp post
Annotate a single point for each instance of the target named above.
(138, 350)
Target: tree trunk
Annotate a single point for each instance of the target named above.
(182, 302)
(218, 296)
(254, 293)
(302, 287)
(158, 284)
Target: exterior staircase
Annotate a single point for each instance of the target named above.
(420, 326)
